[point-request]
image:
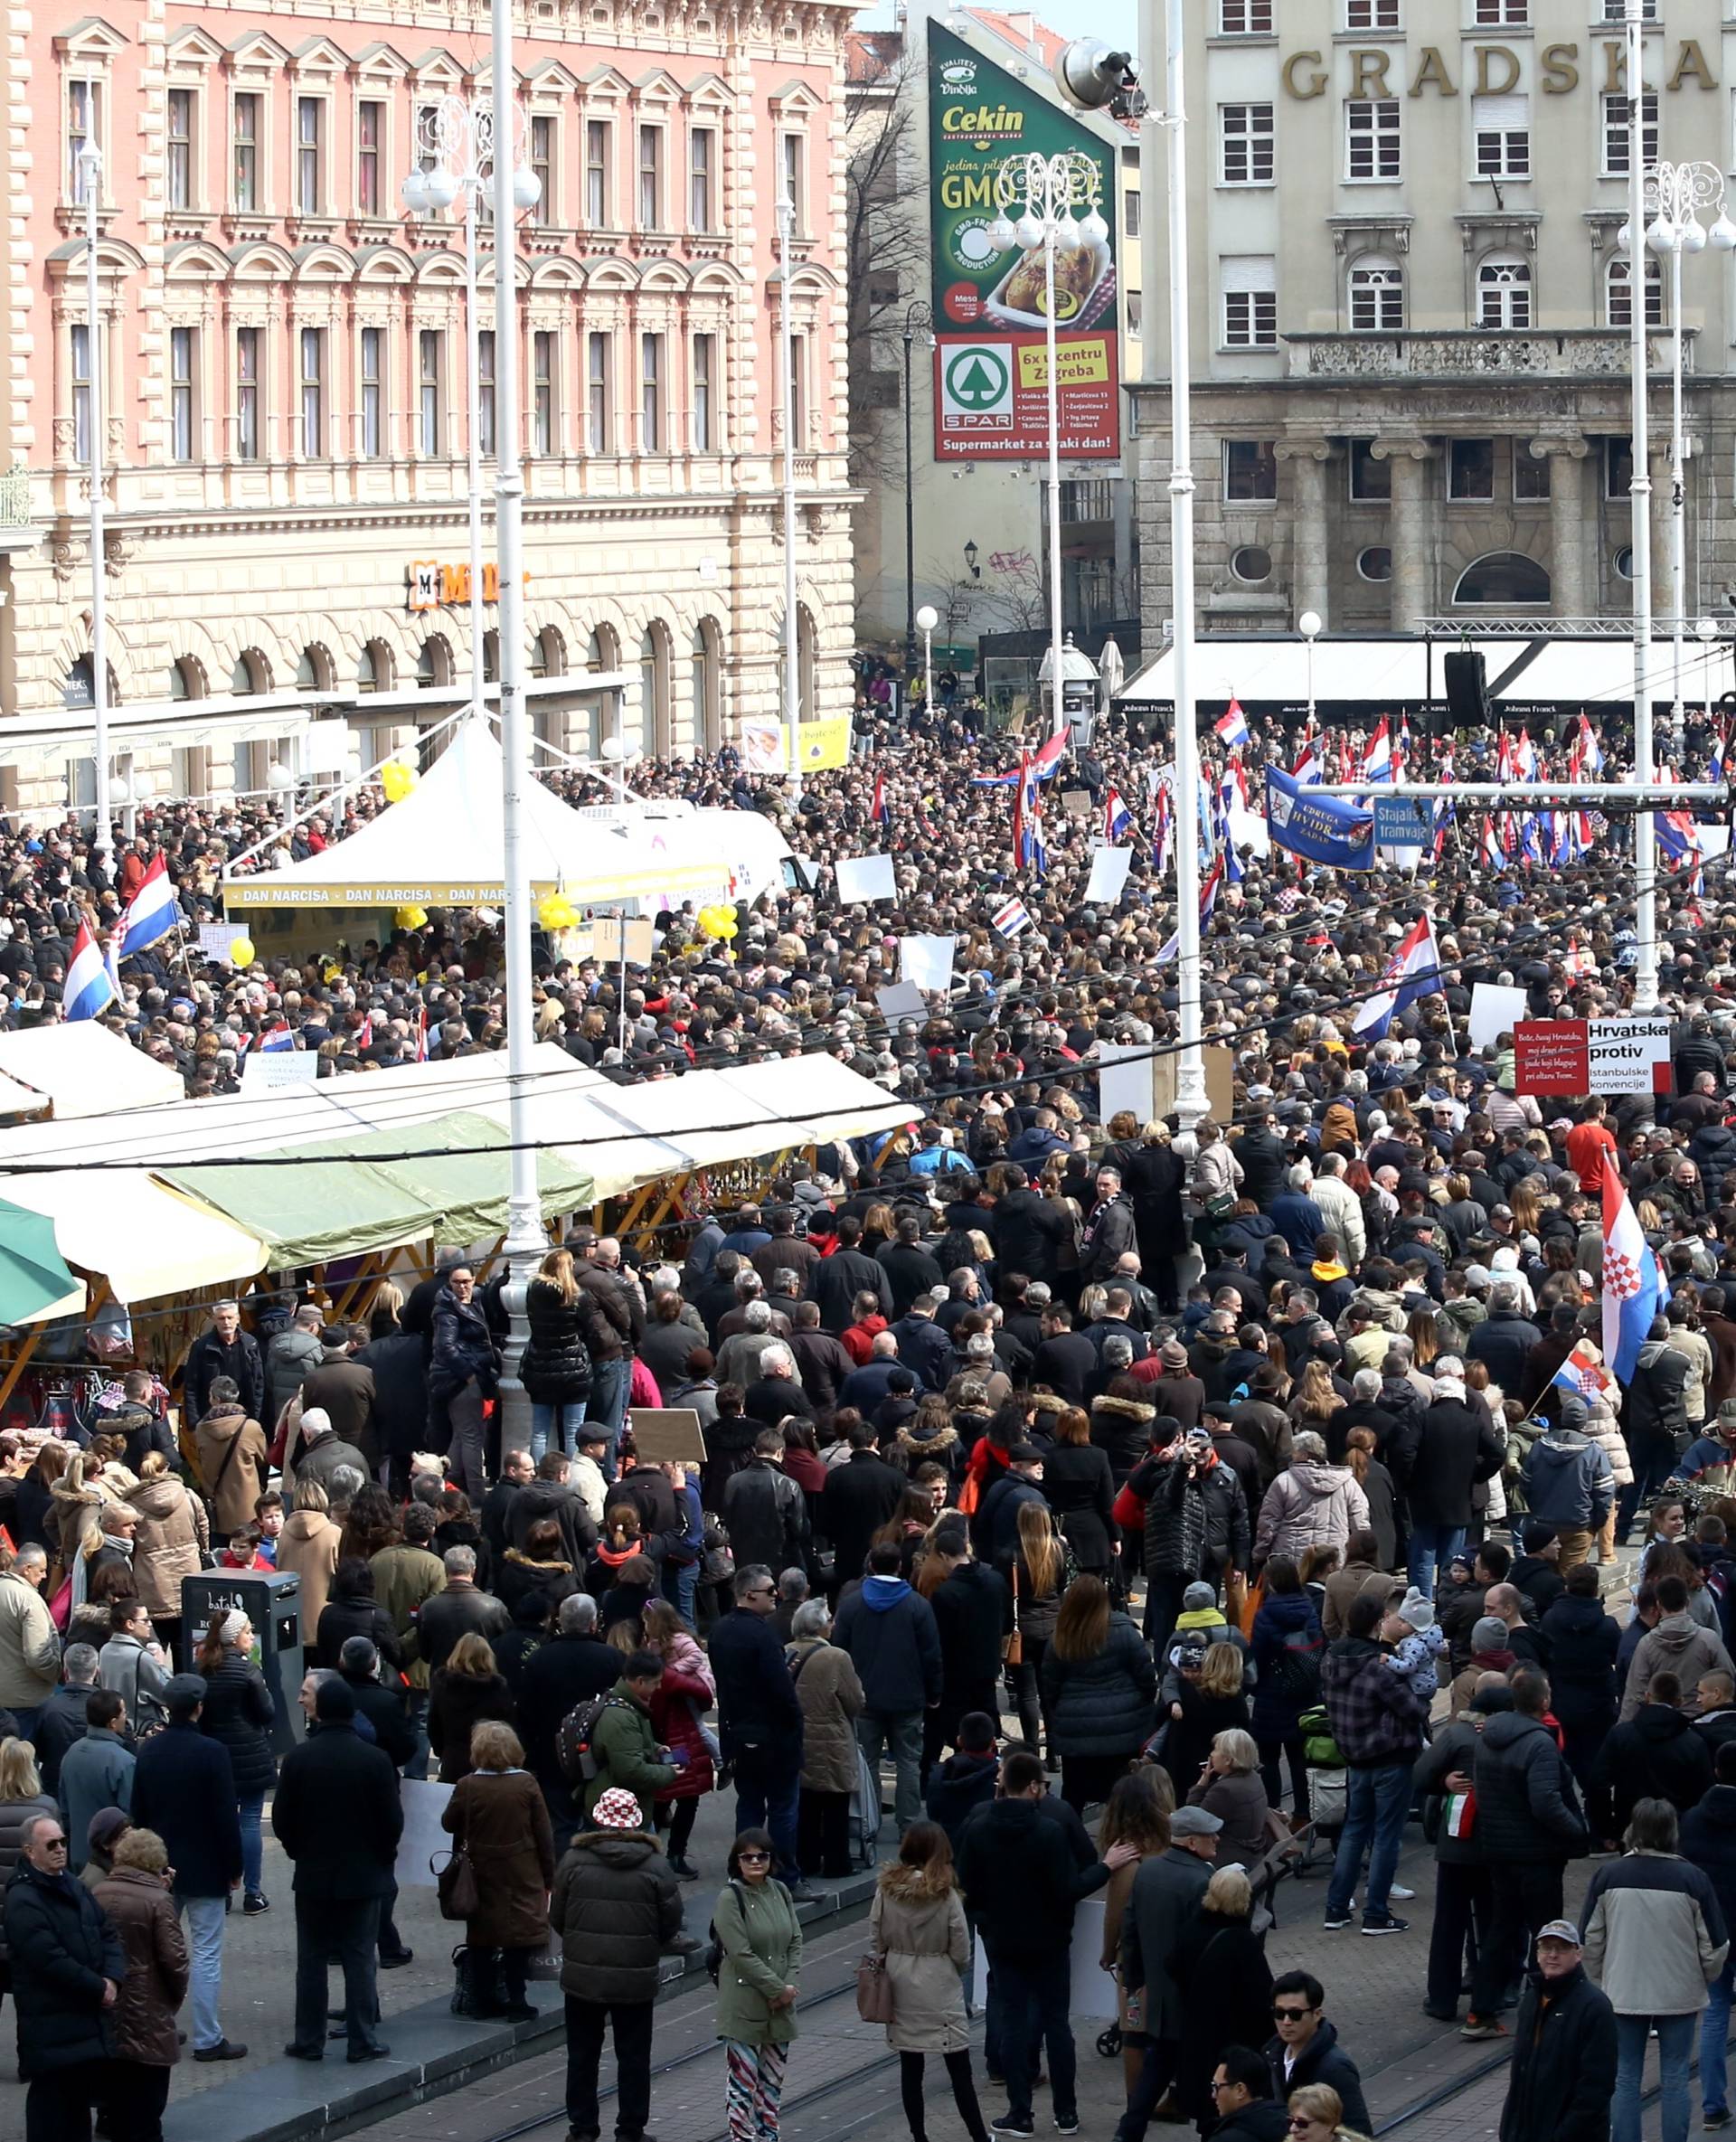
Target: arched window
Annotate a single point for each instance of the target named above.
(1376, 295)
(373, 667)
(491, 657)
(1618, 292)
(653, 692)
(548, 655)
(603, 649)
(807, 651)
(433, 662)
(706, 666)
(250, 674)
(1503, 579)
(186, 679)
(314, 671)
(1503, 291)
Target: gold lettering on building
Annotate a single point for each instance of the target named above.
(1487, 85)
(1691, 61)
(1368, 73)
(1431, 69)
(1316, 80)
(1560, 73)
(1615, 70)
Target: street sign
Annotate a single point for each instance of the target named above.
(1402, 822)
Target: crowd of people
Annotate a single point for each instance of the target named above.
(1251, 1488)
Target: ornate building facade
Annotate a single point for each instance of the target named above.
(285, 382)
(1411, 316)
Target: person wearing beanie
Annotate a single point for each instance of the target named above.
(1418, 1644)
(614, 1909)
(337, 1817)
(1490, 1654)
(1536, 1575)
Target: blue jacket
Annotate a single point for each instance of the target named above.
(1281, 1614)
(183, 1788)
(890, 1632)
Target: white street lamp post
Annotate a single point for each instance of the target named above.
(1043, 188)
(926, 619)
(1640, 492)
(102, 829)
(1674, 192)
(1309, 625)
(787, 362)
(460, 137)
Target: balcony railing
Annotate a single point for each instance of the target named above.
(1472, 353)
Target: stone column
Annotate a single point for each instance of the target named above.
(1413, 560)
(1310, 553)
(1662, 520)
(1566, 457)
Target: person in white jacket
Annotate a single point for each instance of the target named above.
(1342, 1206)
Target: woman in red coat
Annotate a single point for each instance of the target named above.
(685, 1695)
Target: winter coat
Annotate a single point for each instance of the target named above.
(62, 1948)
(519, 1576)
(347, 1616)
(1104, 1705)
(761, 1939)
(1237, 1799)
(233, 1466)
(1709, 1843)
(756, 1703)
(1656, 1409)
(457, 1704)
(1164, 1906)
(141, 1910)
(14, 1815)
(1078, 1485)
(171, 1531)
(239, 1715)
(30, 1646)
(1456, 1446)
(615, 1907)
(1030, 1920)
(973, 1613)
(405, 1578)
(1502, 1340)
(1655, 1937)
(307, 1547)
(767, 1516)
(565, 1339)
(208, 1358)
(1654, 1755)
(292, 1356)
(890, 1632)
(1567, 1481)
(96, 1772)
(498, 1818)
(1194, 1527)
(1526, 1806)
(1282, 1614)
(624, 1745)
(685, 1695)
(1375, 1718)
(1679, 1644)
(462, 1353)
(1583, 1640)
(1226, 1987)
(1322, 2061)
(399, 1392)
(1343, 1586)
(1564, 2074)
(1121, 1429)
(917, 1925)
(338, 1816)
(183, 1788)
(859, 1496)
(829, 1691)
(1309, 1504)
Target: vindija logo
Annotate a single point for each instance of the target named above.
(959, 75)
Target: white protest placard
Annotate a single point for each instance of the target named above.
(641, 932)
(901, 1000)
(1124, 1080)
(1108, 878)
(1629, 1055)
(865, 877)
(270, 1070)
(215, 939)
(1093, 1990)
(423, 1840)
(1076, 803)
(926, 961)
(1495, 1009)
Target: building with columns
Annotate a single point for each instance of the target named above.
(285, 389)
(1411, 316)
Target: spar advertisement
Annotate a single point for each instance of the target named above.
(991, 356)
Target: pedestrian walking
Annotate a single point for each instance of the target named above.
(136, 1898)
(67, 1966)
(1563, 2072)
(761, 1940)
(238, 1712)
(917, 1923)
(21, 1798)
(1306, 2053)
(497, 1818)
(615, 1907)
(463, 1370)
(889, 1633)
(169, 1542)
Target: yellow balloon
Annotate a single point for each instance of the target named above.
(554, 910)
(398, 779)
(409, 918)
(240, 951)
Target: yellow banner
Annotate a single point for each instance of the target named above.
(1081, 364)
(825, 744)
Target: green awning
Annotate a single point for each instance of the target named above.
(310, 1213)
(34, 1278)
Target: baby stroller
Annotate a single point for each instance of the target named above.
(1328, 1783)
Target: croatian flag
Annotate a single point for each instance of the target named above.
(879, 815)
(151, 913)
(1582, 1373)
(1308, 766)
(1161, 834)
(1011, 917)
(1590, 756)
(277, 1037)
(1490, 846)
(1117, 817)
(1632, 1288)
(1377, 760)
(1208, 907)
(1232, 727)
(1413, 971)
(421, 1035)
(88, 985)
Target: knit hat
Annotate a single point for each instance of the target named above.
(1417, 1609)
(1490, 1634)
(105, 1825)
(1197, 1598)
(618, 1810)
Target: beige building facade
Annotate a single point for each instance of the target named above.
(1410, 313)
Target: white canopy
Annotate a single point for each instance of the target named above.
(79, 1068)
(444, 845)
(144, 1238)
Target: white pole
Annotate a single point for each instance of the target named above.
(928, 669)
(473, 360)
(1678, 454)
(102, 829)
(525, 1237)
(787, 347)
(1052, 211)
(1645, 835)
(1191, 1102)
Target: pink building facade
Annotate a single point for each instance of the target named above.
(286, 391)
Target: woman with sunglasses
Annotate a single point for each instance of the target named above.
(760, 1940)
(1317, 2115)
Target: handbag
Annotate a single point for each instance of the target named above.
(545, 1967)
(873, 1990)
(456, 1882)
(1013, 1646)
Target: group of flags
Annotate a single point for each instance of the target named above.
(92, 982)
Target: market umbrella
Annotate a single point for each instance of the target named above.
(34, 1282)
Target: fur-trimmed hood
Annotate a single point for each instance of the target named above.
(915, 1885)
(1126, 1408)
(1048, 1402)
(923, 1448)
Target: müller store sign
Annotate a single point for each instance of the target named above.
(1491, 70)
(434, 586)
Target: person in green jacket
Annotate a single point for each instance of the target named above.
(756, 1925)
(628, 1758)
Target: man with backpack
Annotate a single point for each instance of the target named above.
(608, 1741)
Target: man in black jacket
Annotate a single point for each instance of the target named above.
(764, 1510)
(1029, 1228)
(1242, 2096)
(759, 1719)
(1307, 2049)
(1505, 1338)
(337, 1817)
(1564, 2050)
(857, 1499)
(834, 1282)
(223, 1349)
(574, 1665)
(973, 1614)
(462, 1609)
(66, 1969)
(1454, 1448)
(358, 1661)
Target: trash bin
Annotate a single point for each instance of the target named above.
(271, 1601)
